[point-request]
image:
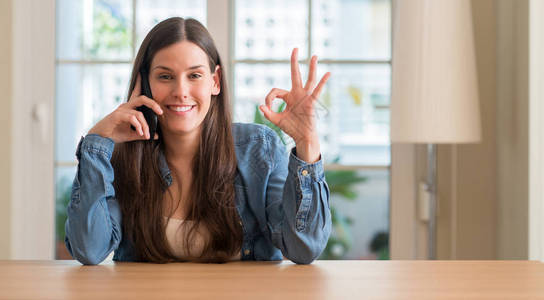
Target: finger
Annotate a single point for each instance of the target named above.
(141, 119)
(133, 120)
(320, 86)
(310, 84)
(274, 93)
(270, 115)
(296, 81)
(144, 100)
(137, 91)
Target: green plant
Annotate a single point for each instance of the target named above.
(341, 183)
(110, 33)
(380, 245)
(260, 119)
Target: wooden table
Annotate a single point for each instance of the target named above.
(274, 280)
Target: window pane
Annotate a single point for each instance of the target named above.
(85, 94)
(69, 29)
(270, 29)
(355, 128)
(94, 30)
(352, 29)
(151, 12)
(360, 225)
(252, 82)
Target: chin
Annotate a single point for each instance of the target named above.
(179, 129)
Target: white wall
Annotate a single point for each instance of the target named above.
(28, 145)
(536, 130)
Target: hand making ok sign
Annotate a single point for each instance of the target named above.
(298, 118)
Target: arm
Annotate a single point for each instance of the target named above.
(298, 213)
(304, 206)
(93, 227)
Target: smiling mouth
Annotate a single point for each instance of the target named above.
(180, 108)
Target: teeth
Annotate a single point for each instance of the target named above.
(181, 108)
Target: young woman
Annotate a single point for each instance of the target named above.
(202, 189)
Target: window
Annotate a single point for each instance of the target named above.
(96, 43)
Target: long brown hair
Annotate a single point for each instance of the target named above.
(138, 183)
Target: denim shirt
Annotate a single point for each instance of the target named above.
(282, 201)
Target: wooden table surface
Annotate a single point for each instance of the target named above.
(274, 280)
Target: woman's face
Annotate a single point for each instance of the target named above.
(182, 84)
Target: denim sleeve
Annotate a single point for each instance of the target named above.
(298, 212)
(93, 227)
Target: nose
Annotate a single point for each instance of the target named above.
(181, 88)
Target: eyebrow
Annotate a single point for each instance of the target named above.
(168, 69)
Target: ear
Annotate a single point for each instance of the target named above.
(216, 89)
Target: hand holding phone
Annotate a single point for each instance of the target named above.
(140, 112)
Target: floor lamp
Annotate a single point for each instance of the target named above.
(434, 98)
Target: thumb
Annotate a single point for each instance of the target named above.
(269, 114)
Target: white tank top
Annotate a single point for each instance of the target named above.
(175, 232)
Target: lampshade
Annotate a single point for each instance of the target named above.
(434, 96)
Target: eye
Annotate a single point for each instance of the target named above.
(195, 76)
(165, 76)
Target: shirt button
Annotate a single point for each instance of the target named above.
(240, 223)
(246, 252)
(304, 172)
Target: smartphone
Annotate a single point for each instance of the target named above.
(149, 114)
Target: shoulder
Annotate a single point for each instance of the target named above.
(247, 133)
(257, 144)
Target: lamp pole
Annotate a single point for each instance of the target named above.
(431, 189)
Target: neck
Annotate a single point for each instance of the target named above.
(180, 149)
